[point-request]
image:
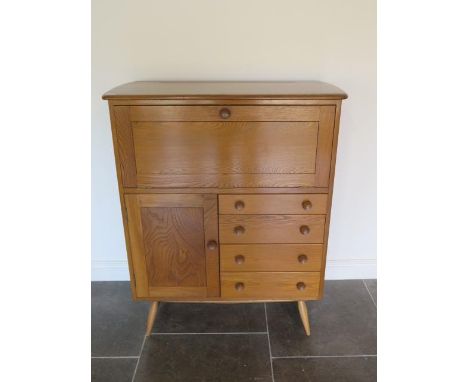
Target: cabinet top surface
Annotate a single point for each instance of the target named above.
(230, 89)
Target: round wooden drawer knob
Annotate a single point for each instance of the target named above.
(239, 205)
(239, 259)
(212, 244)
(302, 259)
(225, 113)
(300, 286)
(239, 230)
(306, 204)
(305, 230)
(239, 287)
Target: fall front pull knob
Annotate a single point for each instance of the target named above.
(302, 259)
(225, 113)
(239, 287)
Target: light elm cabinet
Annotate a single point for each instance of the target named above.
(226, 188)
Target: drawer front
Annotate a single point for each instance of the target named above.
(224, 113)
(273, 204)
(271, 257)
(281, 229)
(270, 285)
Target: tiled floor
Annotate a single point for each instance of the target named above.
(236, 342)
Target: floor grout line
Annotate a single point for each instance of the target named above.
(368, 291)
(138, 361)
(116, 357)
(210, 333)
(269, 343)
(326, 356)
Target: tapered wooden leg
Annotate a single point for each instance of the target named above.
(304, 316)
(151, 317)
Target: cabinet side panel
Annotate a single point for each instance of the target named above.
(336, 129)
(325, 146)
(125, 157)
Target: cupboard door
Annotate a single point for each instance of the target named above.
(174, 245)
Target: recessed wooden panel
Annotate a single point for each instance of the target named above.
(174, 246)
(212, 113)
(273, 204)
(169, 235)
(199, 148)
(271, 257)
(243, 229)
(247, 285)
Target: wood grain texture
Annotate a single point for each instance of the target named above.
(167, 235)
(271, 257)
(206, 148)
(212, 113)
(222, 191)
(125, 150)
(325, 145)
(227, 89)
(330, 198)
(273, 204)
(151, 317)
(226, 180)
(135, 232)
(271, 229)
(270, 285)
(210, 204)
(174, 246)
(123, 207)
(304, 314)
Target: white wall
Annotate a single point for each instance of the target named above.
(327, 40)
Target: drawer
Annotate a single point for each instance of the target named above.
(282, 229)
(270, 285)
(273, 204)
(224, 113)
(271, 257)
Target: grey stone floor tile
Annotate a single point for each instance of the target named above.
(209, 318)
(352, 369)
(205, 357)
(112, 369)
(343, 323)
(117, 323)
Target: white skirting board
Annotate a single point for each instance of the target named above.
(337, 269)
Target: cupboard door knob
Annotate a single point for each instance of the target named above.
(212, 244)
(239, 205)
(239, 259)
(239, 287)
(300, 286)
(225, 113)
(302, 259)
(239, 230)
(306, 204)
(305, 230)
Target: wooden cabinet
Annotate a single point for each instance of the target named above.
(226, 188)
